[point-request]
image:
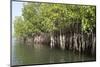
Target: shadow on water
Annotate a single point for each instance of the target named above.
(30, 53)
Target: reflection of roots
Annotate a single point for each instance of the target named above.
(38, 45)
(29, 43)
(44, 42)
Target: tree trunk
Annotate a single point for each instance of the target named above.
(93, 44)
(70, 45)
(80, 43)
(51, 40)
(75, 42)
(83, 42)
(62, 40)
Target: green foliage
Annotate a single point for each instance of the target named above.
(19, 26)
(88, 18)
(43, 17)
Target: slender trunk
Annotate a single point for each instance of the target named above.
(70, 45)
(62, 40)
(51, 40)
(75, 42)
(93, 44)
(66, 42)
(80, 44)
(83, 43)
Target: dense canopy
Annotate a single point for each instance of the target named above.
(48, 17)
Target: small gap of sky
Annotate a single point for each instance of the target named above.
(16, 11)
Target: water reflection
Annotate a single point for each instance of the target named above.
(29, 53)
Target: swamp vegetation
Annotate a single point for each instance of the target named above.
(67, 27)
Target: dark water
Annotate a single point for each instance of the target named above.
(23, 54)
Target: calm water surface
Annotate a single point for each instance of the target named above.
(23, 54)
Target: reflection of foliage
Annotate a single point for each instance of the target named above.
(42, 17)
